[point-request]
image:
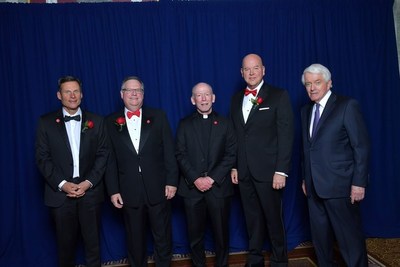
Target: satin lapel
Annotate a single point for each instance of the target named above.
(238, 111)
(62, 130)
(263, 94)
(147, 124)
(124, 134)
(82, 126)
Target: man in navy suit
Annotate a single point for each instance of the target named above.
(206, 152)
(142, 175)
(335, 169)
(71, 154)
(263, 121)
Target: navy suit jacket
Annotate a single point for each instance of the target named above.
(337, 156)
(220, 156)
(54, 156)
(265, 141)
(155, 157)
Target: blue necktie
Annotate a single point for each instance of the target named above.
(316, 119)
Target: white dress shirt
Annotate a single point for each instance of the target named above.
(247, 105)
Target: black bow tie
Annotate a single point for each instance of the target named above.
(76, 117)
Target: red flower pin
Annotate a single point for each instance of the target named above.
(215, 122)
(257, 101)
(88, 125)
(120, 122)
(58, 120)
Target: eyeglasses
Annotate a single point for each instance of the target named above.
(131, 91)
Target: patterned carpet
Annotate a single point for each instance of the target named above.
(381, 253)
(385, 252)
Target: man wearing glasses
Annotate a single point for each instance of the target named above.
(142, 175)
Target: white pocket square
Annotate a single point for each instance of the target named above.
(263, 108)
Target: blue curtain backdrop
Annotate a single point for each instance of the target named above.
(172, 46)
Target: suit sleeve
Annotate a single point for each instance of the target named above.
(169, 156)
(111, 172)
(101, 156)
(52, 175)
(358, 136)
(285, 133)
(182, 156)
(228, 160)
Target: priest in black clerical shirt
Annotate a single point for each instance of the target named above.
(206, 152)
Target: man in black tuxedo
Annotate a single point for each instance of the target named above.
(71, 154)
(206, 152)
(335, 169)
(263, 120)
(142, 175)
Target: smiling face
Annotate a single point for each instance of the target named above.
(252, 70)
(132, 94)
(203, 98)
(316, 86)
(70, 95)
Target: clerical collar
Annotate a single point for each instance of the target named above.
(203, 116)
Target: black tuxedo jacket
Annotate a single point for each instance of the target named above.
(265, 140)
(54, 156)
(220, 156)
(155, 157)
(337, 156)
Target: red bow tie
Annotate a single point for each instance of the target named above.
(131, 113)
(248, 91)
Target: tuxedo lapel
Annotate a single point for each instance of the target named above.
(238, 111)
(62, 129)
(147, 121)
(263, 93)
(124, 133)
(84, 119)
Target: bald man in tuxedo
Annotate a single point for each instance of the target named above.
(263, 121)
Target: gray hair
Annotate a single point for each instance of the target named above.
(136, 78)
(317, 69)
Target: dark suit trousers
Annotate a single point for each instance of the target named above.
(262, 207)
(137, 220)
(218, 210)
(73, 216)
(337, 218)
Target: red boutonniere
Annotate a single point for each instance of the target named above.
(120, 122)
(88, 125)
(215, 122)
(148, 121)
(58, 120)
(257, 101)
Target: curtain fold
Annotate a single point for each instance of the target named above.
(172, 46)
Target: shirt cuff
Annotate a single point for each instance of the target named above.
(61, 185)
(91, 185)
(282, 173)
